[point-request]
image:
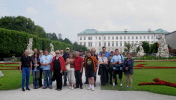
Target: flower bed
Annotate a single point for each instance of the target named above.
(158, 82)
(141, 66)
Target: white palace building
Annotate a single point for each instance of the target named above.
(93, 38)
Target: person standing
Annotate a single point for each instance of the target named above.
(25, 69)
(61, 52)
(71, 72)
(58, 66)
(35, 50)
(78, 63)
(107, 54)
(45, 61)
(90, 63)
(117, 60)
(128, 63)
(103, 61)
(65, 56)
(41, 69)
(111, 68)
(93, 51)
(36, 70)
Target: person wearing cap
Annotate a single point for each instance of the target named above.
(65, 56)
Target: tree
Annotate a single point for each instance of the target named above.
(127, 47)
(67, 41)
(145, 46)
(22, 24)
(154, 48)
(52, 36)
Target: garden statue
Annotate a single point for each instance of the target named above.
(52, 50)
(1, 74)
(132, 48)
(141, 50)
(163, 48)
(29, 47)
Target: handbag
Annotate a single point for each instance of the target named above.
(68, 67)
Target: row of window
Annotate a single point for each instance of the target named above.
(119, 37)
(111, 44)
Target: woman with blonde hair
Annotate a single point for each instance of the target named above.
(58, 66)
(71, 71)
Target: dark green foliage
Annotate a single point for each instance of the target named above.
(128, 46)
(13, 43)
(22, 24)
(145, 46)
(153, 48)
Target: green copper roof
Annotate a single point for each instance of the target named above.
(94, 31)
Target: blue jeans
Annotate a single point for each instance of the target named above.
(25, 76)
(47, 78)
(35, 79)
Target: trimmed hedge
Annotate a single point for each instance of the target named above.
(13, 43)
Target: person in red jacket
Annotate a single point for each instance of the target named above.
(58, 66)
(78, 70)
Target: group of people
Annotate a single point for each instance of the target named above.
(70, 67)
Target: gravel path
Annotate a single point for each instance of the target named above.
(80, 94)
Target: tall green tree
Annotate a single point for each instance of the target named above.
(67, 41)
(52, 36)
(127, 47)
(145, 46)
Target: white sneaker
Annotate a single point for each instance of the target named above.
(121, 84)
(72, 88)
(113, 84)
(93, 89)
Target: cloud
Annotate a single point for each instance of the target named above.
(31, 10)
(121, 14)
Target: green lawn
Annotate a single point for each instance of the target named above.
(147, 75)
(11, 78)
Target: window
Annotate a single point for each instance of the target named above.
(148, 37)
(116, 37)
(89, 38)
(99, 38)
(112, 43)
(108, 38)
(120, 43)
(112, 38)
(104, 43)
(104, 38)
(136, 41)
(99, 43)
(80, 38)
(108, 43)
(136, 37)
(151, 37)
(84, 43)
(140, 37)
(80, 43)
(132, 42)
(90, 44)
(116, 43)
(144, 37)
(128, 37)
(124, 37)
(84, 38)
(120, 37)
(132, 37)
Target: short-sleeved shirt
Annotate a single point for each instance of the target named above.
(46, 59)
(89, 64)
(117, 58)
(25, 61)
(107, 54)
(78, 63)
(103, 59)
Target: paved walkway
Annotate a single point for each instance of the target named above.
(80, 94)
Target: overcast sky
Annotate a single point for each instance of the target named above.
(70, 17)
